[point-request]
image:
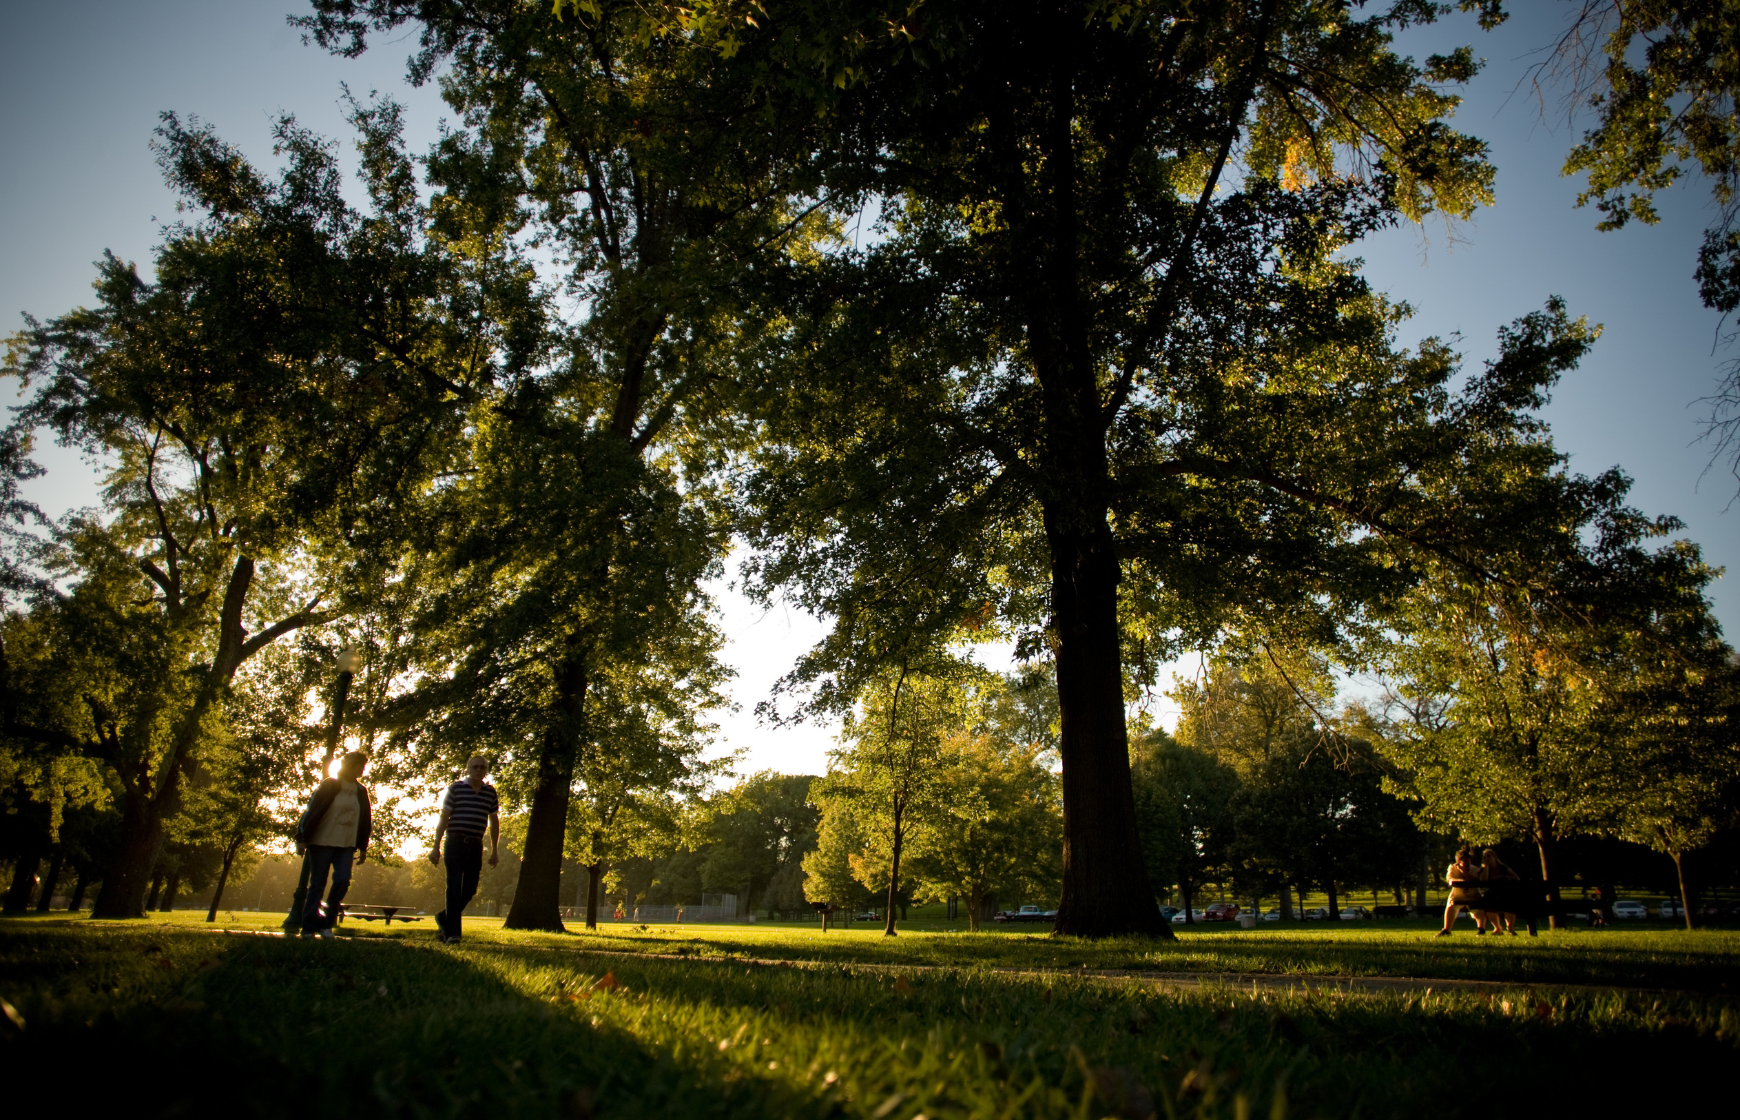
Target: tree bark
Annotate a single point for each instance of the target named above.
(23, 882)
(538, 897)
(974, 898)
(170, 889)
(1685, 894)
(1334, 910)
(217, 895)
(1106, 891)
(1187, 894)
(156, 890)
(594, 873)
(76, 902)
(51, 880)
(1286, 903)
(894, 875)
(1546, 841)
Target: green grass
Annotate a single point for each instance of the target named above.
(178, 1020)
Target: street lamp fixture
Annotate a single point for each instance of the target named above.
(349, 661)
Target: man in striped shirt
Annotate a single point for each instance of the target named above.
(466, 808)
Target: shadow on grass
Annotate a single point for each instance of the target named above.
(159, 1022)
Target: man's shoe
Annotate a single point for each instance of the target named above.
(1442, 933)
(441, 924)
(326, 934)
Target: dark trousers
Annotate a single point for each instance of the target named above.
(464, 864)
(322, 859)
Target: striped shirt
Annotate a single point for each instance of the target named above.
(469, 810)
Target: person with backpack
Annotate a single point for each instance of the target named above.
(334, 828)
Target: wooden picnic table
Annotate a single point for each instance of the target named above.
(371, 913)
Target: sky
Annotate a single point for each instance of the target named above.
(82, 86)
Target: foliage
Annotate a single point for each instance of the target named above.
(996, 831)
(1184, 800)
(754, 832)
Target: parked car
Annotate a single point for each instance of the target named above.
(1274, 915)
(1025, 914)
(1222, 911)
(1178, 918)
(1630, 908)
(1670, 909)
(867, 916)
(1166, 913)
(1354, 913)
(1317, 913)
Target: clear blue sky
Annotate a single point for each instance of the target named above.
(82, 83)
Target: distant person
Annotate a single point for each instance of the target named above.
(467, 807)
(333, 828)
(1463, 875)
(1495, 870)
(1598, 911)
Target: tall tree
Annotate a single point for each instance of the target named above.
(1507, 694)
(658, 179)
(263, 399)
(762, 825)
(1102, 367)
(1184, 800)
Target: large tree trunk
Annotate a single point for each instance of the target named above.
(1546, 841)
(1286, 903)
(156, 890)
(217, 894)
(170, 890)
(538, 897)
(23, 882)
(77, 901)
(1188, 894)
(974, 896)
(894, 876)
(1334, 909)
(1685, 893)
(1106, 891)
(594, 873)
(51, 880)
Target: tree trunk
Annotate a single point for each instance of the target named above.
(975, 898)
(76, 902)
(51, 880)
(170, 889)
(538, 897)
(1186, 893)
(1286, 903)
(1106, 891)
(217, 895)
(1685, 894)
(894, 875)
(594, 875)
(156, 890)
(1334, 910)
(23, 882)
(1546, 841)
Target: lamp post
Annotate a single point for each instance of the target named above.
(348, 662)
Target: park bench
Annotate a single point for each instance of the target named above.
(1527, 899)
(370, 913)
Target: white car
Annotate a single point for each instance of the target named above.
(1671, 909)
(1628, 908)
(1275, 915)
(1354, 913)
(1199, 915)
(1317, 913)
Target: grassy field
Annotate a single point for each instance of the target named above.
(166, 1018)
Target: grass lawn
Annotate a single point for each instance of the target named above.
(165, 1018)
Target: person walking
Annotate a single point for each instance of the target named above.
(333, 828)
(1463, 876)
(468, 806)
(1495, 871)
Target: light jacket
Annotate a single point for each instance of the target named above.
(322, 801)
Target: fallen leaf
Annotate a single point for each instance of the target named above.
(606, 983)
